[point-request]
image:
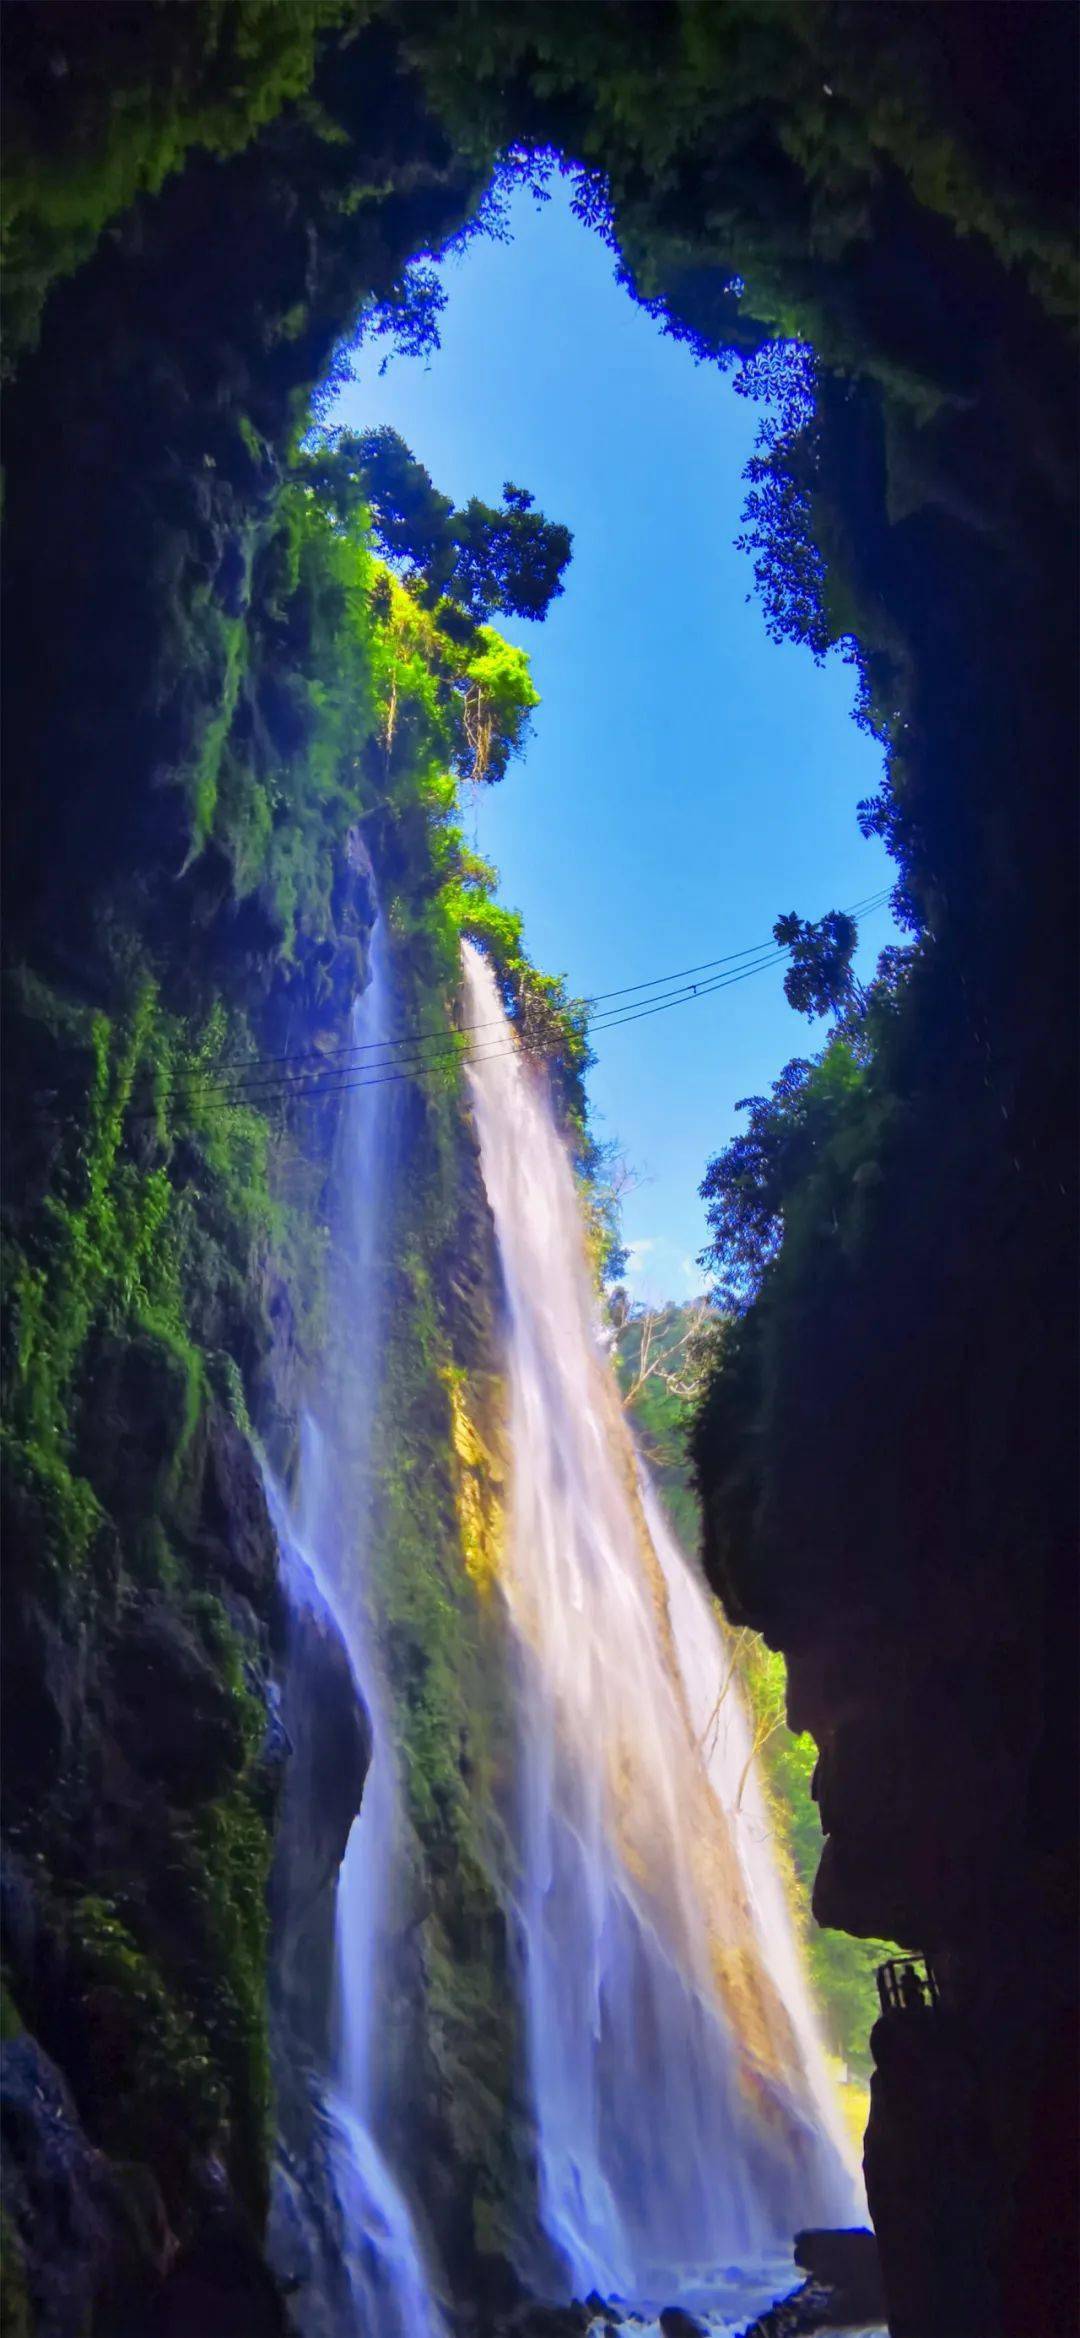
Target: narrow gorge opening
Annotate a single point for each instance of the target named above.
(667, 2065)
(448, 1436)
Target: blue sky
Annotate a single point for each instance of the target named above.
(687, 780)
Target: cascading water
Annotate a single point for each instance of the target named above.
(326, 1544)
(684, 2117)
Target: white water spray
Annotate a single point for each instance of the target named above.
(685, 2120)
(326, 1544)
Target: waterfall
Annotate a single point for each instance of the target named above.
(326, 1545)
(684, 2117)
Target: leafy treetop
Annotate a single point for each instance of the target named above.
(484, 560)
(819, 979)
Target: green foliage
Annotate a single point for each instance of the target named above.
(753, 188)
(98, 1253)
(425, 1619)
(355, 703)
(510, 561)
(10, 2024)
(291, 775)
(170, 1971)
(155, 2074)
(479, 562)
(353, 472)
(842, 1969)
(156, 1177)
(660, 1356)
(806, 1170)
(16, 2316)
(552, 1026)
(819, 979)
(178, 79)
(139, 1256)
(224, 1858)
(220, 654)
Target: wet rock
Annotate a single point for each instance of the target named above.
(45, 1670)
(329, 1738)
(676, 2324)
(329, 1733)
(807, 2309)
(533, 2321)
(91, 2233)
(221, 2287)
(133, 1418)
(848, 2263)
(923, 2162)
(175, 1718)
(235, 1537)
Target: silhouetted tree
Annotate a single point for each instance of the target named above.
(481, 562)
(510, 560)
(819, 980)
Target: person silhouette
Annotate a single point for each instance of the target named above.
(912, 1991)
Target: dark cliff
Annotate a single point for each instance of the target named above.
(908, 1540)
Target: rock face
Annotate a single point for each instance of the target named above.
(87, 2231)
(890, 1484)
(329, 1749)
(847, 2264)
(139, 1840)
(926, 2166)
(970, 2142)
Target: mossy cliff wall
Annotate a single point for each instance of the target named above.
(241, 718)
(158, 1287)
(193, 729)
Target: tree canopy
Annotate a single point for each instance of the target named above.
(819, 980)
(484, 560)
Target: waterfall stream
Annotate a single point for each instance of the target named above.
(685, 2121)
(326, 1546)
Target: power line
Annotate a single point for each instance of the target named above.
(448, 1044)
(858, 909)
(409, 1054)
(315, 1087)
(250, 1069)
(594, 999)
(453, 1048)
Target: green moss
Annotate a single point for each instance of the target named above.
(173, 1201)
(11, 2025)
(222, 656)
(155, 2077)
(68, 1516)
(16, 2313)
(842, 1969)
(227, 1858)
(181, 2032)
(177, 81)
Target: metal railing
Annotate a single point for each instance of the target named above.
(908, 1984)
